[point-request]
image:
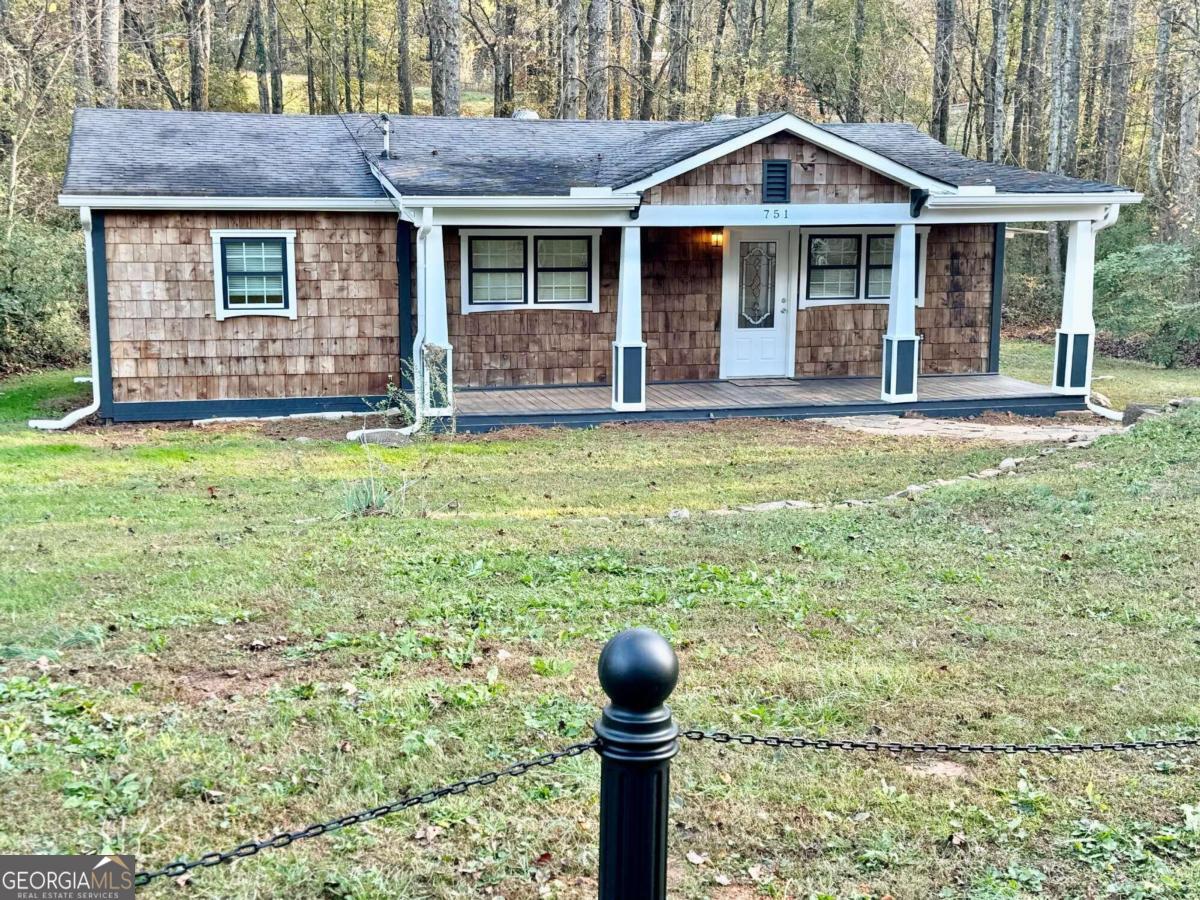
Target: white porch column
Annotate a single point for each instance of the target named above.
(1076, 336)
(436, 354)
(901, 343)
(629, 350)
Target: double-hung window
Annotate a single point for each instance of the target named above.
(254, 273)
(854, 266)
(513, 269)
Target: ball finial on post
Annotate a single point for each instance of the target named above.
(638, 670)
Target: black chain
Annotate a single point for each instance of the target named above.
(801, 743)
(284, 838)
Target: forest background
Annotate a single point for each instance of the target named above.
(1106, 89)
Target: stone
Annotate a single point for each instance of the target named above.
(385, 437)
(1184, 402)
(1135, 412)
(1009, 463)
(1076, 415)
(987, 473)
(678, 515)
(800, 504)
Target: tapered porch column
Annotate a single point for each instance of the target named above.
(1076, 336)
(901, 343)
(629, 350)
(435, 362)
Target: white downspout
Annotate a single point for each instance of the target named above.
(1108, 219)
(362, 434)
(85, 217)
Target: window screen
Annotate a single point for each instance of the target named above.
(255, 272)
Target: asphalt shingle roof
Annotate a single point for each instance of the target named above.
(148, 152)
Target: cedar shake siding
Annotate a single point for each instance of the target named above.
(681, 306)
(817, 176)
(535, 346)
(955, 322)
(167, 343)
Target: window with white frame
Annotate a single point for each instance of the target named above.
(854, 266)
(513, 269)
(254, 272)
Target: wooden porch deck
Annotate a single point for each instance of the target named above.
(481, 409)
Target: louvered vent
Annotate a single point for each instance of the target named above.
(776, 181)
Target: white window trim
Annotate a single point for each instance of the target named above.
(530, 235)
(878, 231)
(289, 238)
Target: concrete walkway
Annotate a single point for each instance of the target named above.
(1024, 432)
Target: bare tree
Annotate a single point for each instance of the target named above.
(1110, 133)
(1020, 91)
(404, 85)
(110, 52)
(598, 26)
(996, 81)
(275, 56)
(197, 14)
(943, 69)
(568, 93)
(714, 78)
(1159, 93)
(445, 37)
(645, 23)
(743, 22)
(854, 101)
(618, 38)
(1182, 219)
(81, 28)
(680, 33)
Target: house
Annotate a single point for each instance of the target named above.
(537, 271)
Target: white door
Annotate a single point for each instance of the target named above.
(757, 302)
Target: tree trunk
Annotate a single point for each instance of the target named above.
(504, 92)
(743, 21)
(943, 69)
(618, 40)
(677, 68)
(597, 59)
(714, 78)
(1158, 98)
(260, 58)
(789, 52)
(1110, 135)
(81, 27)
(347, 29)
(110, 50)
(310, 74)
(1020, 91)
(997, 81)
(446, 41)
(404, 87)
(1184, 212)
(198, 14)
(568, 92)
(275, 57)
(647, 37)
(1092, 84)
(854, 103)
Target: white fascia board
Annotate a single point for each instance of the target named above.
(808, 132)
(625, 200)
(1003, 200)
(574, 217)
(312, 204)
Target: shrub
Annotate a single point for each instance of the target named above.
(42, 298)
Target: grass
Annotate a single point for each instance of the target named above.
(1123, 381)
(201, 642)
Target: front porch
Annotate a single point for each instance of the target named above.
(486, 409)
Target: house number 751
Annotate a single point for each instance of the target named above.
(775, 213)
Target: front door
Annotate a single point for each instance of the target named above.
(756, 304)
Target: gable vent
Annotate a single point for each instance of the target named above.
(777, 182)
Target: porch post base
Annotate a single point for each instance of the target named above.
(629, 377)
(901, 357)
(437, 379)
(1072, 362)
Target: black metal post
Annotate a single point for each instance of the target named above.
(638, 670)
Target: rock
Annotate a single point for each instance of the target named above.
(1184, 402)
(1099, 399)
(800, 504)
(387, 437)
(987, 473)
(678, 515)
(1009, 463)
(1135, 412)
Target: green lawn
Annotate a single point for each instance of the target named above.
(1123, 381)
(201, 644)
